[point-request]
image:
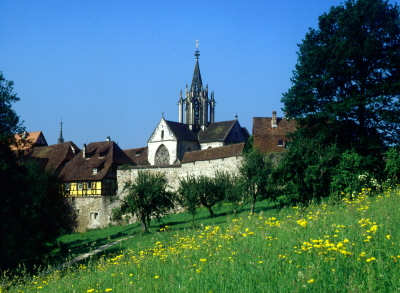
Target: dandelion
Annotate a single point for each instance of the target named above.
(108, 290)
(370, 259)
(310, 281)
(90, 290)
(203, 259)
(156, 277)
(388, 236)
(302, 223)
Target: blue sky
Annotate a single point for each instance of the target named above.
(110, 68)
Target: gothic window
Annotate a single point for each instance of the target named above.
(162, 156)
(162, 134)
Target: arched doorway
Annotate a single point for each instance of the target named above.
(162, 156)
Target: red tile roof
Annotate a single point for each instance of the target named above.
(53, 158)
(28, 140)
(138, 156)
(105, 156)
(266, 138)
(227, 151)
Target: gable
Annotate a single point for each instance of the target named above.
(162, 132)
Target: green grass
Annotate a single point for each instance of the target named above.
(352, 246)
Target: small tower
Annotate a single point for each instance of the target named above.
(212, 108)
(180, 108)
(196, 101)
(61, 138)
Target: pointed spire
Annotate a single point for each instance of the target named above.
(197, 83)
(61, 138)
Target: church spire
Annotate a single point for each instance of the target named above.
(61, 138)
(197, 84)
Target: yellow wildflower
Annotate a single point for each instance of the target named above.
(370, 259)
(108, 290)
(310, 281)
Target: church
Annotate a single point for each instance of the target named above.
(196, 128)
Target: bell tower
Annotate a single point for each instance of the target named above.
(197, 107)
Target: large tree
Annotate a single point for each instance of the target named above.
(33, 211)
(348, 72)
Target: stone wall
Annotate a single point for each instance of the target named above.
(174, 173)
(93, 212)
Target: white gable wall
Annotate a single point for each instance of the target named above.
(156, 140)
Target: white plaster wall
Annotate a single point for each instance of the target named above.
(171, 145)
(156, 140)
(207, 145)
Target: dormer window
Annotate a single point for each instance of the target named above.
(94, 171)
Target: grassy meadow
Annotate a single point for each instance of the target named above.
(351, 246)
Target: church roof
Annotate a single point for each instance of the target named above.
(100, 155)
(138, 156)
(217, 131)
(54, 157)
(227, 151)
(181, 131)
(197, 83)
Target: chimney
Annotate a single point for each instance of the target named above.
(84, 151)
(274, 122)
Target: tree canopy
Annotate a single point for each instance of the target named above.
(9, 120)
(348, 71)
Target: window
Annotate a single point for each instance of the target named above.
(94, 216)
(162, 134)
(94, 171)
(280, 143)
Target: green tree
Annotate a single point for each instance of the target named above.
(392, 168)
(147, 197)
(188, 196)
(33, 210)
(9, 120)
(234, 191)
(255, 171)
(348, 74)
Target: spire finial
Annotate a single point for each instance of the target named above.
(61, 138)
(197, 51)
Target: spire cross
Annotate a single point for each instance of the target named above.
(197, 52)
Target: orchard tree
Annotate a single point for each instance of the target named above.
(147, 197)
(254, 173)
(348, 73)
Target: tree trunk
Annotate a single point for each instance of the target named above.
(212, 215)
